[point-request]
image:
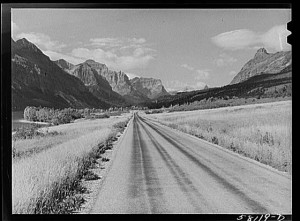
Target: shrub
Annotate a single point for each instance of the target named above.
(115, 113)
(156, 111)
(104, 159)
(215, 140)
(27, 132)
(30, 114)
(86, 112)
(99, 116)
(55, 121)
(31, 132)
(88, 175)
(267, 139)
(45, 114)
(53, 116)
(120, 125)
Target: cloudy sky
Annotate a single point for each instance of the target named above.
(182, 47)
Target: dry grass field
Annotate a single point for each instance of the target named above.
(54, 163)
(260, 131)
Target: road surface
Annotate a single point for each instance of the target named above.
(157, 169)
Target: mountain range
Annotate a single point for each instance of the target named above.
(267, 75)
(38, 81)
(113, 85)
(95, 82)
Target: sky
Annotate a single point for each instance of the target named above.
(182, 47)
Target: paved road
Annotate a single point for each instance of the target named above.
(159, 170)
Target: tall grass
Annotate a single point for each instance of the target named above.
(42, 181)
(65, 132)
(261, 132)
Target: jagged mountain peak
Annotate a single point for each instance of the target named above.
(90, 61)
(264, 63)
(144, 79)
(24, 43)
(65, 65)
(261, 54)
(262, 50)
(38, 81)
(134, 91)
(149, 79)
(63, 60)
(94, 64)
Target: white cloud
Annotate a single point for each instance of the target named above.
(131, 75)
(202, 74)
(123, 43)
(42, 40)
(176, 85)
(56, 56)
(14, 28)
(138, 40)
(118, 53)
(131, 62)
(106, 51)
(273, 39)
(237, 39)
(106, 42)
(142, 51)
(276, 38)
(200, 85)
(112, 60)
(186, 66)
(224, 59)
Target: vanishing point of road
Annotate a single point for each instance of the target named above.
(157, 169)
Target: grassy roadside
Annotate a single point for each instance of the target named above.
(48, 181)
(261, 132)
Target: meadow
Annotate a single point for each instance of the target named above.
(259, 131)
(46, 170)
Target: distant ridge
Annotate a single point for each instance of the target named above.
(150, 87)
(267, 75)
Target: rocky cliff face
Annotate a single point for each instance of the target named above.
(109, 86)
(119, 81)
(150, 87)
(134, 91)
(89, 76)
(264, 63)
(38, 81)
(90, 72)
(96, 83)
(66, 66)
